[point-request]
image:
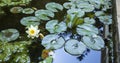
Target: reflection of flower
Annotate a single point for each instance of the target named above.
(33, 31)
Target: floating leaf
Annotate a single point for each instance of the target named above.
(56, 27)
(52, 6)
(69, 5)
(47, 60)
(44, 14)
(99, 13)
(9, 35)
(107, 19)
(16, 10)
(75, 47)
(28, 11)
(53, 41)
(31, 20)
(94, 42)
(88, 20)
(86, 7)
(77, 12)
(87, 29)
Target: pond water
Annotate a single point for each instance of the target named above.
(62, 57)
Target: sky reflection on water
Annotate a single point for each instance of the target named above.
(62, 57)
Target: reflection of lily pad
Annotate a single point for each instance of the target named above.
(87, 29)
(44, 14)
(95, 43)
(54, 6)
(75, 47)
(28, 11)
(55, 27)
(31, 20)
(9, 35)
(53, 41)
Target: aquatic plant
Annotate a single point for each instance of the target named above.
(79, 20)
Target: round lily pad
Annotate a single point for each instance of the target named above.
(56, 27)
(77, 12)
(86, 7)
(93, 42)
(53, 41)
(87, 29)
(69, 5)
(44, 14)
(52, 6)
(9, 35)
(74, 47)
(31, 20)
(28, 11)
(16, 10)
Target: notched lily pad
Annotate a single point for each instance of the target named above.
(44, 14)
(31, 20)
(16, 9)
(53, 41)
(88, 20)
(52, 6)
(87, 29)
(28, 11)
(93, 42)
(9, 35)
(69, 5)
(86, 7)
(74, 47)
(56, 27)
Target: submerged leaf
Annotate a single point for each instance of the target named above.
(87, 29)
(56, 27)
(52, 6)
(53, 41)
(31, 20)
(75, 47)
(94, 42)
(44, 14)
(28, 11)
(9, 35)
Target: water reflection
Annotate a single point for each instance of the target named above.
(62, 57)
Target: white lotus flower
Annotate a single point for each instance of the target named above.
(33, 31)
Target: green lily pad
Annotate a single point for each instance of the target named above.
(31, 20)
(77, 12)
(56, 27)
(88, 20)
(28, 11)
(69, 5)
(9, 35)
(95, 42)
(52, 6)
(74, 47)
(16, 10)
(44, 14)
(47, 60)
(53, 41)
(86, 7)
(99, 13)
(87, 29)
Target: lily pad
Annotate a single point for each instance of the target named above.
(88, 20)
(69, 5)
(77, 12)
(74, 47)
(9, 35)
(44, 14)
(16, 10)
(93, 42)
(56, 27)
(52, 6)
(31, 20)
(86, 7)
(87, 29)
(28, 11)
(53, 41)
(99, 13)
